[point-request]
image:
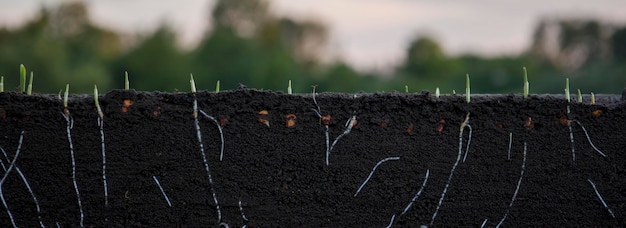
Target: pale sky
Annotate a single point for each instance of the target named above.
(369, 34)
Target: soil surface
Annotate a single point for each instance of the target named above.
(278, 173)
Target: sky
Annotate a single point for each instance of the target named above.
(368, 34)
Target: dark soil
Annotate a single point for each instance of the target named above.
(279, 173)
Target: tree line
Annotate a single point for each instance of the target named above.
(249, 44)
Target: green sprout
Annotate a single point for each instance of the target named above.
(454, 92)
(2, 84)
(95, 98)
(437, 92)
(580, 97)
(289, 91)
(526, 85)
(467, 88)
(406, 88)
(217, 86)
(567, 89)
(126, 82)
(65, 95)
(593, 99)
(193, 84)
(29, 91)
(22, 78)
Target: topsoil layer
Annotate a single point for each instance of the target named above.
(279, 174)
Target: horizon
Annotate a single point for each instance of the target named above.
(370, 36)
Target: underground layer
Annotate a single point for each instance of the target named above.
(265, 159)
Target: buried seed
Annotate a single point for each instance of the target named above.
(290, 120)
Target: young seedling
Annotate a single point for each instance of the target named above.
(23, 177)
(593, 99)
(126, 82)
(406, 88)
(467, 88)
(204, 159)
(456, 163)
(600, 197)
(289, 88)
(526, 85)
(374, 170)
(103, 148)
(217, 86)
(1, 83)
(324, 120)
(437, 92)
(29, 91)
(70, 124)
(453, 92)
(22, 78)
(580, 97)
(167, 199)
(417, 195)
(519, 183)
(6, 174)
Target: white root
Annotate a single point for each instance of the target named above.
(510, 144)
(484, 223)
(469, 140)
(243, 216)
(30, 190)
(104, 164)
(372, 172)
(204, 160)
(70, 125)
(167, 199)
(393, 218)
(456, 163)
(417, 195)
(600, 197)
(349, 124)
(589, 139)
(219, 127)
(6, 174)
(571, 136)
(519, 183)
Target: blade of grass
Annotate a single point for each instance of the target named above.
(593, 98)
(467, 88)
(289, 91)
(526, 84)
(22, 78)
(29, 91)
(126, 82)
(217, 86)
(567, 96)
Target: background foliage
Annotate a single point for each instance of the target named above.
(248, 44)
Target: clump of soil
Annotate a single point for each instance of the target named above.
(274, 160)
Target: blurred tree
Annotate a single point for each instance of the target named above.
(155, 64)
(570, 44)
(425, 59)
(243, 16)
(618, 43)
(61, 46)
